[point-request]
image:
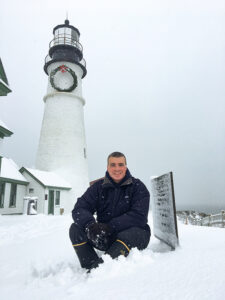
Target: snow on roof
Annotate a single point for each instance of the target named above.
(49, 178)
(9, 169)
(2, 124)
(4, 83)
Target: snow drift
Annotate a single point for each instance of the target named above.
(38, 262)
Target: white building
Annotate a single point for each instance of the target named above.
(50, 190)
(12, 183)
(4, 132)
(20, 187)
(4, 85)
(13, 186)
(62, 145)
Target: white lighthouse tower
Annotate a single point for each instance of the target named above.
(62, 145)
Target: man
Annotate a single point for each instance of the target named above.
(121, 203)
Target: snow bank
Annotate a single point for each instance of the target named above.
(38, 262)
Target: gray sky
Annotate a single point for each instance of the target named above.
(155, 87)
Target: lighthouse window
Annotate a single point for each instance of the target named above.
(85, 154)
(59, 32)
(74, 35)
(67, 31)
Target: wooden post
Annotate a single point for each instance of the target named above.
(223, 218)
(209, 220)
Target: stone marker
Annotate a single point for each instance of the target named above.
(164, 210)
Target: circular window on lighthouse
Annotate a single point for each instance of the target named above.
(63, 79)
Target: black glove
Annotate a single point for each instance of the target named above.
(105, 229)
(98, 234)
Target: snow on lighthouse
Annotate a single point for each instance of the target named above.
(62, 146)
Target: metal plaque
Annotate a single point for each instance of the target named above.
(164, 210)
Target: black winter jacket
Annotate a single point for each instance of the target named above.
(121, 205)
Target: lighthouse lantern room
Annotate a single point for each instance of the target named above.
(65, 45)
(62, 145)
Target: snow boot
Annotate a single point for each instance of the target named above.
(118, 248)
(87, 256)
(95, 264)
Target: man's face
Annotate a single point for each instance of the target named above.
(117, 168)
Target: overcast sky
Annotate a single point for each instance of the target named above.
(155, 87)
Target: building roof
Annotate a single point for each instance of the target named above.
(10, 171)
(4, 86)
(4, 130)
(47, 179)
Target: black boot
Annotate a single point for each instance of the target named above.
(87, 256)
(95, 264)
(118, 248)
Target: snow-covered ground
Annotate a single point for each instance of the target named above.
(37, 261)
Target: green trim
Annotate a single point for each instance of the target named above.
(58, 187)
(4, 89)
(5, 132)
(25, 170)
(4, 85)
(2, 194)
(9, 180)
(51, 202)
(2, 73)
(10, 214)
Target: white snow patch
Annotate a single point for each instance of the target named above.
(49, 178)
(38, 262)
(9, 169)
(2, 124)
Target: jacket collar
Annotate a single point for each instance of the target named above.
(108, 181)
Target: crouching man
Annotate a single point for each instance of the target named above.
(121, 204)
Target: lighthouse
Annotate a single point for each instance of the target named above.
(62, 144)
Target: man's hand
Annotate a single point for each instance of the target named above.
(99, 234)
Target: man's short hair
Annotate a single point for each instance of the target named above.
(116, 154)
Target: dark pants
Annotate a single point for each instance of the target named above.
(119, 243)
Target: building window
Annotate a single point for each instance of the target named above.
(2, 194)
(57, 198)
(85, 153)
(31, 191)
(12, 200)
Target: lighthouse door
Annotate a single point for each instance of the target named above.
(51, 203)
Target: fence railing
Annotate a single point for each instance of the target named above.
(217, 220)
(65, 39)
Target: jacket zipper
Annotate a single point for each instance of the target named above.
(114, 201)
